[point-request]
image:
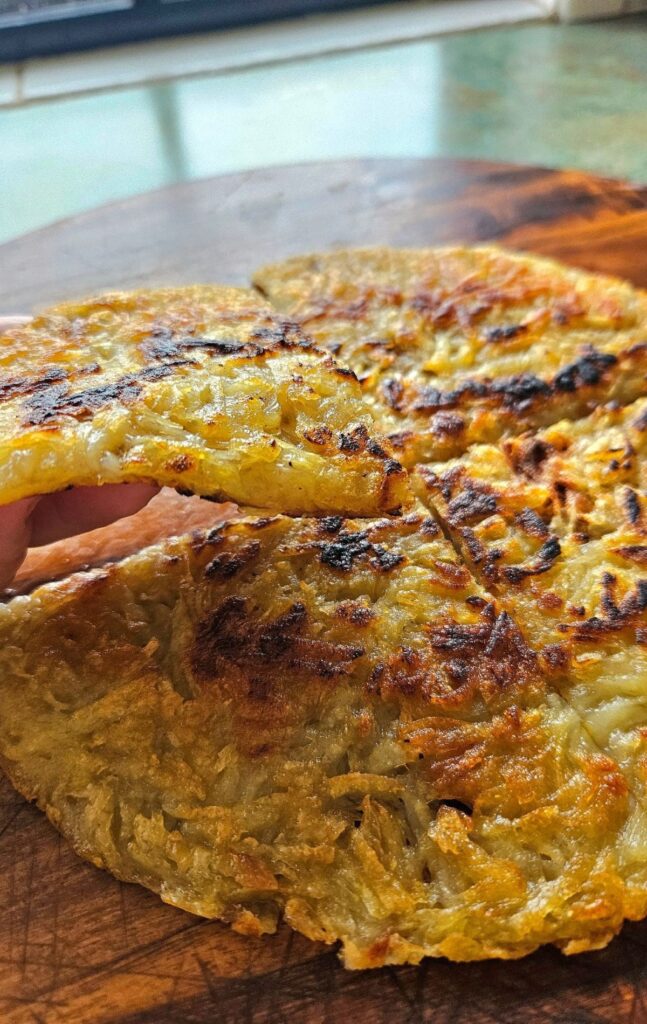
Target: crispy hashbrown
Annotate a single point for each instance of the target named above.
(456, 345)
(554, 522)
(328, 720)
(417, 735)
(204, 389)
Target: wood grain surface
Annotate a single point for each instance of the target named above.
(77, 947)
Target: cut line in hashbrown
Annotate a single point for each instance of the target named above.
(456, 346)
(555, 523)
(326, 720)
(204, 389)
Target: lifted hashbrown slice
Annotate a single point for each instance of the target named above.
(326, 720)
(456, 346)
(202, 388)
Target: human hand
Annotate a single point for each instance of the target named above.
(33, 522)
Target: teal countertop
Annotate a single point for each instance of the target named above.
(558, 95)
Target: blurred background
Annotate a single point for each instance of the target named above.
(102, 99)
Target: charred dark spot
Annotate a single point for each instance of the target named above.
(276, 638)
(231, 635)
(386, 560)
(578, 610)
(587, 370)
(343, 552)
(331, 524)
(355, 613)
(494, 334)
(633, 553)
(531, 523)
(228, 563)
(561, 492)
(475, 549)
(458, 638)
(448, 424)
(500, 633)
(219, 635)
(490, 652)
(429, 527)
(283, 333)
(16, 387)
(474, 601)
(391, 467)
(609, 605)
(618, 614)
(432, 399)
(550, 551)
(401, 438)
(515, 393)
(57, 401)
(318, 435)
(555, 656)
(527, 455)
(214, 538)
(373, 448)
(458, 670)
(471, 506)
(631, 504)
(343, 371)
(375, 678)
(518, 391)
(164, 344)
(355, 440)
(543, 561)
(393, 391)
(347, 548)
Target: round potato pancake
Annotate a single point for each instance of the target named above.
(421, 734)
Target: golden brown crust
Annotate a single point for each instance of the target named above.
(204, 389)
(458, 346)
(328, 720)
(555, 524)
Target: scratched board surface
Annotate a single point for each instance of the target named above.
(77, 947)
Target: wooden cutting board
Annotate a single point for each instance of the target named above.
(77, 947)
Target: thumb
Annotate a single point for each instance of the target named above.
(15, 534)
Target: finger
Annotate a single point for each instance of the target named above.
(15, 533)
(85, 508)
